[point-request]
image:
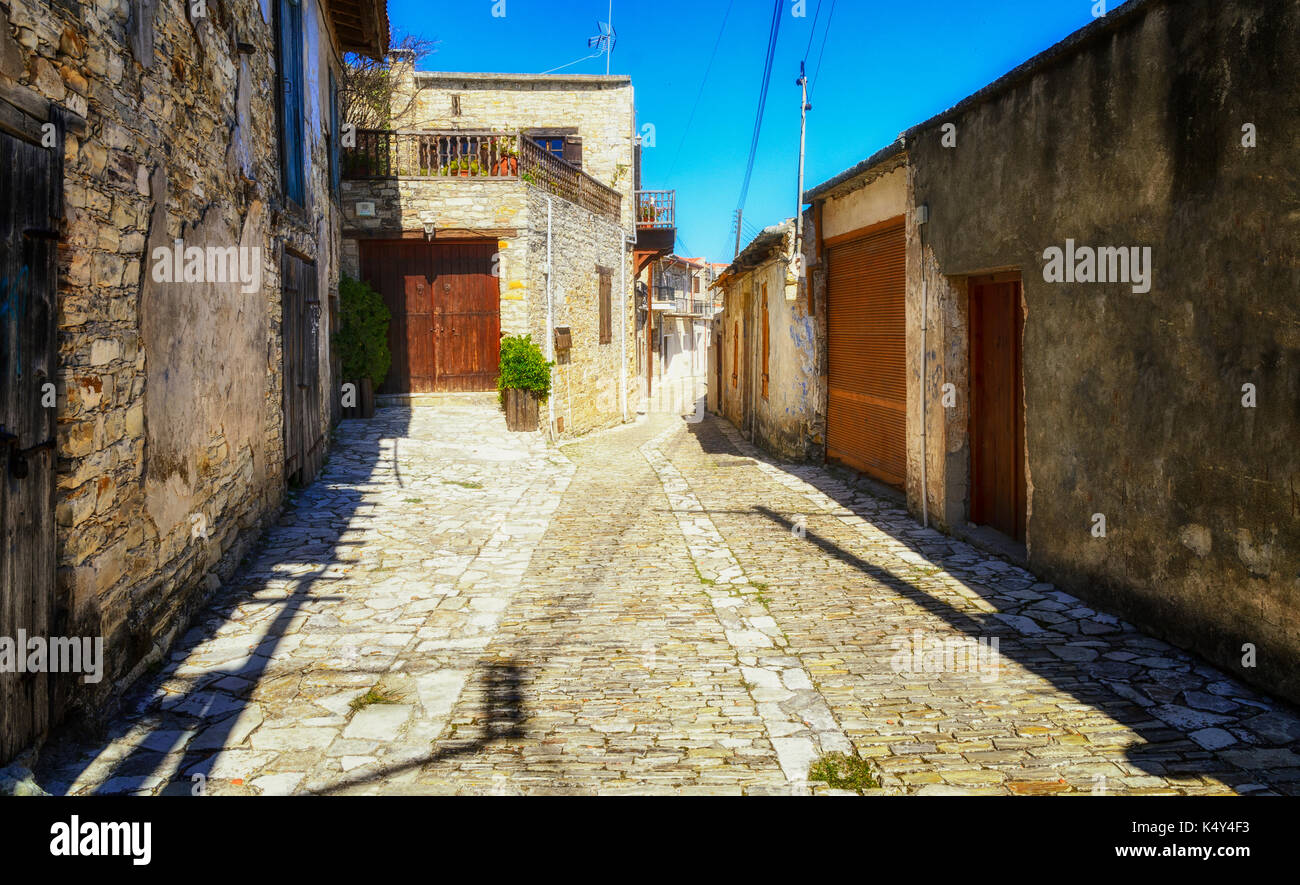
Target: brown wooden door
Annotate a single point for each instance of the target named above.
(304, 432)
(866, 421)
(31, 182)
(467, 317)
(998, 497)
(445, 332)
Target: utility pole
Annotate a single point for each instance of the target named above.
(740, 215)
(804, 108)
(609, 49)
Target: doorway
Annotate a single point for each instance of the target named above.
(997, 433)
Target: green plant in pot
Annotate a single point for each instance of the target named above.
(524, 381)
(362, 344)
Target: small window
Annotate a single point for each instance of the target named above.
(606, 305)
(455, 105)
(552, 145)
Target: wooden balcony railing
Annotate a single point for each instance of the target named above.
(656, 209)
(386, 154)
(540, 167)
(382, 153)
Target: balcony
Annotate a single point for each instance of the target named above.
(421, 155)
(656, 225)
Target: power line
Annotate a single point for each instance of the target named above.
(773, 32)
(820, 52)
(813, 30)
(700, 94)
(572, 63)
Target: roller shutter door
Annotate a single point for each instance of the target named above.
(866, 330)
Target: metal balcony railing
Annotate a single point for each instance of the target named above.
(656, 209)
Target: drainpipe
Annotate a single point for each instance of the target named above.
(550, 335)
(622, 322)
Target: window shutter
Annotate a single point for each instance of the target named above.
(291, 93)
(573, 151)
(335, 136)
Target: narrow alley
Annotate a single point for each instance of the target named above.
(452, 608)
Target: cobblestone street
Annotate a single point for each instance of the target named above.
(658, 608)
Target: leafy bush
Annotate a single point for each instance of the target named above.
(362, 338)
(523, 367)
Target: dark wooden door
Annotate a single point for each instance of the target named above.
(445, 332)
(304, 432)
(998, 496)
(31, 184)
(467, 322)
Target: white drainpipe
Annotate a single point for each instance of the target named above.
(622, 322)
(925, 371)
(550, 335)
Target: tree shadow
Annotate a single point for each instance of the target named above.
(1149, 697)
(305, 545)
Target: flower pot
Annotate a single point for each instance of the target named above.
(521, 409)
(365, 404)
(506, 166)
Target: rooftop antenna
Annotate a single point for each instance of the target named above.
(605, 40)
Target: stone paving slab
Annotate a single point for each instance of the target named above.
(455, 609)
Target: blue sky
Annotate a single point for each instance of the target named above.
(885, 67)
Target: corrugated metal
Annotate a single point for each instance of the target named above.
(867, 350)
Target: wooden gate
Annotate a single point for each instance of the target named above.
(997, 416)
(866, 420)
(31, 182)
(445, 333)
(304, 437)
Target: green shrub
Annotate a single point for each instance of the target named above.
(362, 338)
(523, 367)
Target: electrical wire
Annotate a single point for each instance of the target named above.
(773, 33)
(700, 93)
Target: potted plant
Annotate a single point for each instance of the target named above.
(464, 167)
(524, 381)
(362, 342)
(508, 162)
(647, 212)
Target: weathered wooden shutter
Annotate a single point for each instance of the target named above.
(573, 150)
(32, 183)
(335, 136)
(866, 332)
(292, 158)
(735, 353)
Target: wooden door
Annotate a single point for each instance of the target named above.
(866, 421)
(31, 182)
(445, 332)
(399, 270)
(467, 317)
(304, 432)
(998, 487)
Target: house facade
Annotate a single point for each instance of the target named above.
(169, 251)
(503, 204)
(765, 374)
(1055, 337)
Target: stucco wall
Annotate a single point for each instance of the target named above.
(1134, 399)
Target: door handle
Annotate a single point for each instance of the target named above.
(18, 457)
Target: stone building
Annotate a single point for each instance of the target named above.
(1061, 318)
(765, 371)
(170, 255)
(503, 204)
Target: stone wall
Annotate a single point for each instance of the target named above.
(1135, 133)
(585, 390)
(169, 392)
